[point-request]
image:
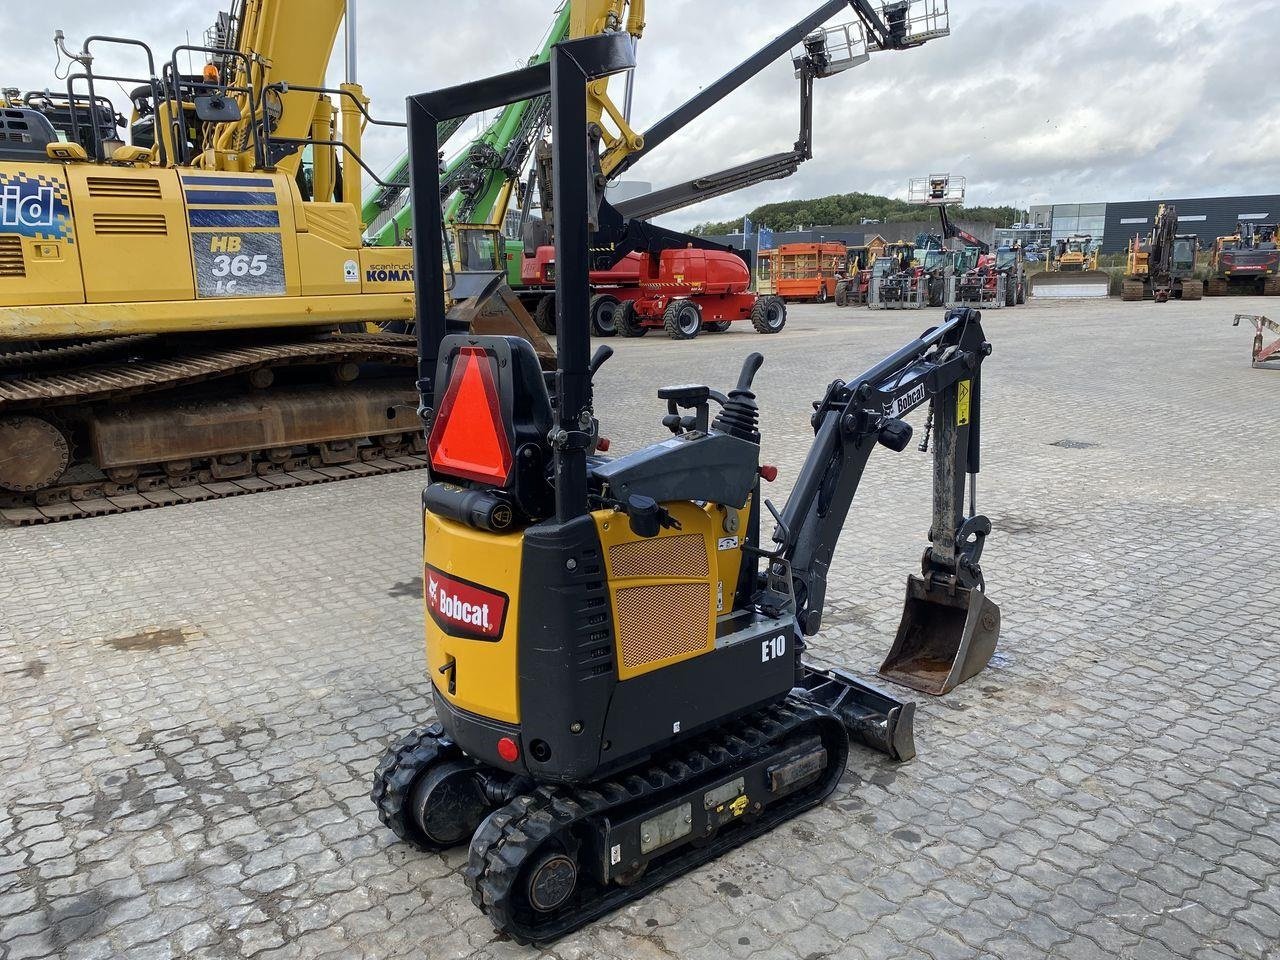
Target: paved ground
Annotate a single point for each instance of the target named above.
(194, 698)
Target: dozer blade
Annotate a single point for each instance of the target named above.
(946, 636)
(1070, 284)
(497, 311)
(872, 717)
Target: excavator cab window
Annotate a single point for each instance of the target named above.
(476, 249)
(929, 257)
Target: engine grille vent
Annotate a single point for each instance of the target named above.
(682, 555)
(130, 188)
(130, 225)
(662, 620)
(11, 262)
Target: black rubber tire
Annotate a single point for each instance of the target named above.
(603, 312)
(716, 326)
(1022, 293)
(1010, 294)
(626, 320)
(682, 320)
(822, 296)
(544, 314)
(769, 315)
(842, 294)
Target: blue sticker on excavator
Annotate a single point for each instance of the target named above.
(35, 206)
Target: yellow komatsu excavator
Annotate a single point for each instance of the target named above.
(182, 317)
(194, 313)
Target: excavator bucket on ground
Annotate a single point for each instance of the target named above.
(947, 635)
(496, 311)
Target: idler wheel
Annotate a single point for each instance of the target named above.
(34, 453)
(552, 881)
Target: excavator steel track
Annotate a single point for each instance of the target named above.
(64, 384)
(57, 354)
(72, 501)
(181, 369)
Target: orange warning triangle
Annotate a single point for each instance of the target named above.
(469, 439)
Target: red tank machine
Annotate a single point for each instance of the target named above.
(682, 290)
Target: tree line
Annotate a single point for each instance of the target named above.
(850, 208)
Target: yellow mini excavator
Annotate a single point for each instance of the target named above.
(615, 651)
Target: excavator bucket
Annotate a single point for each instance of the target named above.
(496, 310)
(1070, 284)
(946, 636)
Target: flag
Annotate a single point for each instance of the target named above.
(746, 228)
(766, 238)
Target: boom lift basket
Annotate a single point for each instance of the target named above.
(935, 190)
(909, 24)
(946, 636)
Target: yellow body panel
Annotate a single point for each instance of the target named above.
(329, 235)
(39, 255)
(387, 270)
(104, 249)
(656, 580)
(131, 226)
(485, 672)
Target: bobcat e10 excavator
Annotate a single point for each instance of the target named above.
(615, 652)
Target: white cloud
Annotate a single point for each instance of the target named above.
(1051, 100)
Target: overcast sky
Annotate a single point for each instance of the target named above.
(1034, 101)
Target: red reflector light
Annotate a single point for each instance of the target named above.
(602, 444)
(769, 473)
(508, 750)
(468, 438)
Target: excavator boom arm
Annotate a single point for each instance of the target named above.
(943, 368)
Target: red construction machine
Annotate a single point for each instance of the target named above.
(1266, 356)
(682, 290)
(645, 277)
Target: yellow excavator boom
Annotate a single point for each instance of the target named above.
(286, 41)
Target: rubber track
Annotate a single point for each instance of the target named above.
(129, 499)
(510, 836)
(111, 381)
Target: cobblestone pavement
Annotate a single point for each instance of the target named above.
(194, 698)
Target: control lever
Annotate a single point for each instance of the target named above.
(739, 415)
(749, 368)
(689, 396)
(603, 353)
